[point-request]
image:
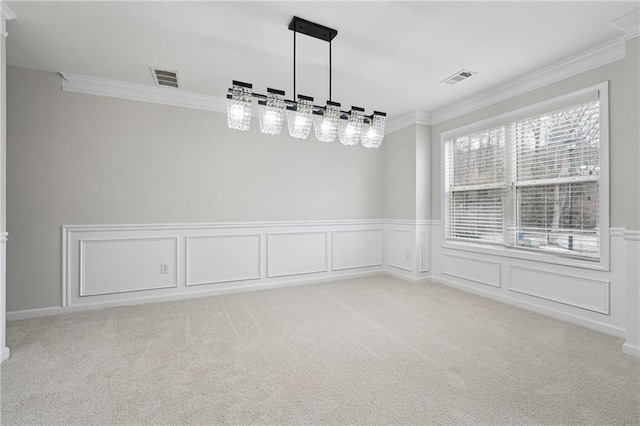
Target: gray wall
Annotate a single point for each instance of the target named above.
(3, 136)
(633, 132)
(80, 159)
(614, 73)
(399, 149)
(423, 172)
(407, 159)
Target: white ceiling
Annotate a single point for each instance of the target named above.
(388, 56)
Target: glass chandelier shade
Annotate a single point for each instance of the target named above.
(326, 123)
(350, 130)
(300, 117)
(272, 112)
(374, 133)
(352, 127)
(239, 106)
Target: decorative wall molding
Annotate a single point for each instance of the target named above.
(226, 271)
(400, 250)
(631, 235)
(133, 286)
(629, 23)
(399, 122)
(6, 14)
(473, 266)
(356, 248)
(411, 222)
(589, 59)
(616, 232)
(216, 256)
(141, 92)
(601, 306)
(425, 250)
(224, 225)
(302, 254)
(555, 312)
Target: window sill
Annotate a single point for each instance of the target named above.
(601, 265)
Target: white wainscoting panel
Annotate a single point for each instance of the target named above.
(476, 270)
(115, 266)
(295, 253)
(222, 258)
(424, 251)
(400, 249)
(356, 249)
(567, 289)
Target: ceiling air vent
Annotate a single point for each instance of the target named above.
(165, 77)
(458, 77)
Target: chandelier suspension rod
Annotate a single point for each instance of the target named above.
(294, 64)
(330, 70)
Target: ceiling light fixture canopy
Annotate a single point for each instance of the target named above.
(352, 127)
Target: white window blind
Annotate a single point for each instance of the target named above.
(532, 183)
(557, 169)
(475, 182)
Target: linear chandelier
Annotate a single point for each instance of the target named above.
(352, 127)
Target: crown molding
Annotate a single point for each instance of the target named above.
(589, 59)
(400, 122)
(629, 23)
(140, 92)
(6, 14)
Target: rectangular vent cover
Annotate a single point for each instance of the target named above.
(165, 77)
(458, 77)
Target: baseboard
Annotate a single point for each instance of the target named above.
(57, 310)
(406, 276)
(4, 354)
(35, 313)
(594, 325)
(628, 349)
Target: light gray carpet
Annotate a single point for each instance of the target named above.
(365, 351)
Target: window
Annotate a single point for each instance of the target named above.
(530, 180)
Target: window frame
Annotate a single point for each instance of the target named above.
(505, 119)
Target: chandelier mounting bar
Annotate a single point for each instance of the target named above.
(312, 29)
(352, 127)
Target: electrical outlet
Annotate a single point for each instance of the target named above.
(164, 268)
